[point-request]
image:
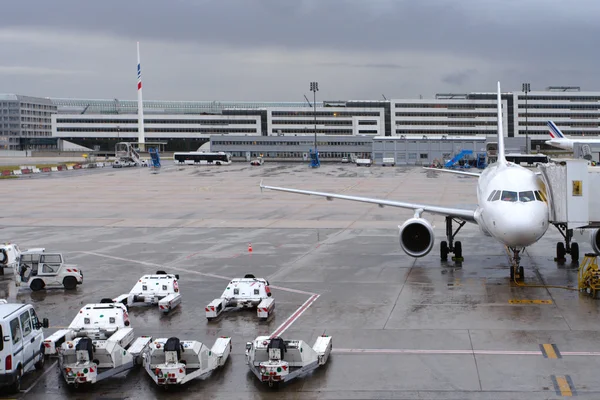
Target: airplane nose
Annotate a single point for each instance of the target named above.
(523, 231)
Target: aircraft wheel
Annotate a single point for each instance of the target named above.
(458, 249)
(521, 273)
(560, 251)
(575, 252)
(444, 251)
(512, 274)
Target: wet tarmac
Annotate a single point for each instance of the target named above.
(402, 328)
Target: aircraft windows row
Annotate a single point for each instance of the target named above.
(524, 197)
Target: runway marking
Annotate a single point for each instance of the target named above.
(40, 377)
(563, 386)
(550, 351)
(292, 318)
(282, 328)
(518, 301)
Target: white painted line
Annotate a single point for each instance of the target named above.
(293, 290)
(465, 352)
(40, 377)
(292, 318)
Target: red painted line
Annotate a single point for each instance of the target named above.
(288, 322)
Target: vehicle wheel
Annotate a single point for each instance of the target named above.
(1, 270)
(458, 250)
(39, 365)
(70, 283)
(444, 251)
(575, 252)
(36, 285)
(16, 386)
(560, 251)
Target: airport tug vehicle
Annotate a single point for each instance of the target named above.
(160, 288)
(98, 344)
(175, 362)
(40, 270)
(246, 292)
(274, 360)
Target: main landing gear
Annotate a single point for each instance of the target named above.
(517, 272)
(568, 247)
(451, 246)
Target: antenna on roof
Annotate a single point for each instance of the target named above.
(383, 95)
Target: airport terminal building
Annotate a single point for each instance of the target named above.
(186, 125)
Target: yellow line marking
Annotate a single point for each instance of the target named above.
(518, 301)
(549, 350)
(563, 386)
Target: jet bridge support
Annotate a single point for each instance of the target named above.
(573, 190)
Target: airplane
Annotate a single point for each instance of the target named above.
(512, 208)
(561, 141)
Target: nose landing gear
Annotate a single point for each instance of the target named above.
(517, 272)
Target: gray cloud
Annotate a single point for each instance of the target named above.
(459, 78)
(270, 49)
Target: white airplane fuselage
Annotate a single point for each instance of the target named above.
(516, 224)
(567, 144)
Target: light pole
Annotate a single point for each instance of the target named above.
(526, 89)
(314, 87)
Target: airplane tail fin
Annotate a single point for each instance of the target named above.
(501, 153)
(555, 133)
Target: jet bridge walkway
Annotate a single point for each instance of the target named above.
(573, 190)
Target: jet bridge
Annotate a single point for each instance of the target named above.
(573, 189)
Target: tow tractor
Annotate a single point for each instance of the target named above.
(274, 360)
(246, 292)
(175, 362)
(160, 288)
(98, 344)
(38, 270)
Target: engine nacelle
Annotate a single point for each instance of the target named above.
(595, 240)
(416, 237)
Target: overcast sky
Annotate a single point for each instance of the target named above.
(270, 50)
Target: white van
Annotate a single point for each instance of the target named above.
(21, 343)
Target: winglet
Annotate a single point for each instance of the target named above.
(555, 133)
(501, 153)
(261, 186)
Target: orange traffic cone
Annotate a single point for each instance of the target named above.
(249, 247)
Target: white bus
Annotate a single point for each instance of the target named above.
(202, 158)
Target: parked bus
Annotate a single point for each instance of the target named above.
(202, 158)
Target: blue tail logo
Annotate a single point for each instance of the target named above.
(555, 133)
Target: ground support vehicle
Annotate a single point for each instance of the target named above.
(175, 362)
(21, 346)
(274, 360)
(39, 270)
(247, 292)
(160, 288)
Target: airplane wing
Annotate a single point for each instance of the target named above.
(451, 171)
(466, 215)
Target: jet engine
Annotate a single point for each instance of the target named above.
(416, 237)
(595, 240)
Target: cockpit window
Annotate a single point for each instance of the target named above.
(491, 195)
(526, 197)
(497, 195)
(509, 196)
